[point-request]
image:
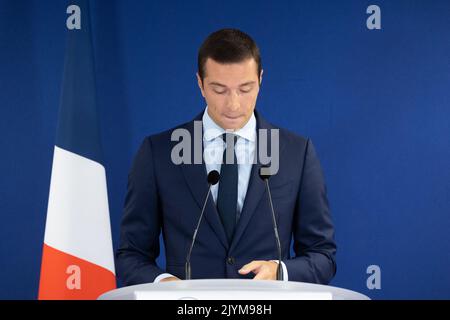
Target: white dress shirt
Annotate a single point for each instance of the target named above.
(213, 148)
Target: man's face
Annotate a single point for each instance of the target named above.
(230, 90)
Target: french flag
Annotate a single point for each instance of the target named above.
(77, 258)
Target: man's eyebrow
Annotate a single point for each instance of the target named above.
(247, 83)
(217, 84)
(222, 85)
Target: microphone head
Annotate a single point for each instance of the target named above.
(264, 172)
(213, 177)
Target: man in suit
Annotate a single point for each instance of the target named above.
(236, 238)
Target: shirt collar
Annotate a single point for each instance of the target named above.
(212, 130)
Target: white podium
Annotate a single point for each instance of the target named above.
(231, 289)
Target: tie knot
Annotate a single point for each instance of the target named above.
(230, 139)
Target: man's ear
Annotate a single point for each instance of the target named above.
(260, 76)
(200, 84)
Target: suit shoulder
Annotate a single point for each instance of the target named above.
(291, 138)
(294, 137)
(165, 136)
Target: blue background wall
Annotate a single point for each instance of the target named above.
(375, 102)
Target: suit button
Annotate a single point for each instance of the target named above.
(230, 260)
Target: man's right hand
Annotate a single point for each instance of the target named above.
(170, 279)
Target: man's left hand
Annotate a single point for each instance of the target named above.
(264, 270)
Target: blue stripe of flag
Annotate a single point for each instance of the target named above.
(78, 125)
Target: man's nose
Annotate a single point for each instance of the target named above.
(233, 102)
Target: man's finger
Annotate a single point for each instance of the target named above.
(252, 266)
(170, 279)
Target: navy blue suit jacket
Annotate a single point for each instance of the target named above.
(165, 197)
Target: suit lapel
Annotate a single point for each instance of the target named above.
(254, 194)
(255, 189)
(196, 178)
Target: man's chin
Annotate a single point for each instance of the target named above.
(233, 123)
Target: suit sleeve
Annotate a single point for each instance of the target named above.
(313, 230)
(141, 223)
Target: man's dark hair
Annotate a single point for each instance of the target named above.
(228, 46)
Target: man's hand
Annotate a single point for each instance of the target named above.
(264, 270)
(170, 279)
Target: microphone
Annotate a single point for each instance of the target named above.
(265, 174)
(213, 178)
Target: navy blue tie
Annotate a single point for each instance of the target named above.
(228, 186)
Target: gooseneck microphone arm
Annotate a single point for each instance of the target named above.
(265, 178)
(213, 178)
